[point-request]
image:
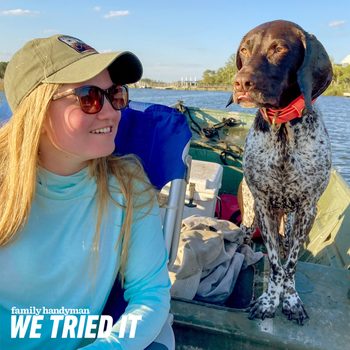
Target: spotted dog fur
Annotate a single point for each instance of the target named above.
(286, 166)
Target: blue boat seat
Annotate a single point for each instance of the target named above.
(160, 137)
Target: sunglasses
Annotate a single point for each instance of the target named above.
(91, 98)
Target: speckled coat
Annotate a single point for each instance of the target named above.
(287, 168)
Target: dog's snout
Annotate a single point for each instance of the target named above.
(244, 82)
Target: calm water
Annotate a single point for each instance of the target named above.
(335, 110)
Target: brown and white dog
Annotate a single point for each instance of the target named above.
(287, 159)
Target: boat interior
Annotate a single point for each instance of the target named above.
(323, 277)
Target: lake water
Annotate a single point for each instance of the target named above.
(335, 111)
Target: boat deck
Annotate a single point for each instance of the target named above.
(203, 326)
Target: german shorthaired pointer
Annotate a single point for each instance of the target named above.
(282, 70)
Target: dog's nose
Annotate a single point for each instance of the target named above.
(244, 82)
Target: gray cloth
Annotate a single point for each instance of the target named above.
(210, 256)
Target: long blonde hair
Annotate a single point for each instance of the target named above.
(19, 146)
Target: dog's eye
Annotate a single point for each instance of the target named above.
(276, 51)
(244, 51)
(281, 49)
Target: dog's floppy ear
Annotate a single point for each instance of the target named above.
(239, 66)
(315, 73)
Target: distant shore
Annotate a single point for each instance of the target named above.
(174, 87)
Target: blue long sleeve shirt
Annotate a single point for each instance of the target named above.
(52, 268)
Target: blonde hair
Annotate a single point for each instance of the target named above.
(19, 146)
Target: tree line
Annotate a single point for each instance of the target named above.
(224, 77)
(221, 77)
(3, 66)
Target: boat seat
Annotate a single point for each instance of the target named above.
(165, 159)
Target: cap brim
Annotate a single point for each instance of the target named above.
(124, 68)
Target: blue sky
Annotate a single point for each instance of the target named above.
(174, 39)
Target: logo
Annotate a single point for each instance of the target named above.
(76, 44)
(68, 323)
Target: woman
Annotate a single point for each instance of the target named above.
(73, 216)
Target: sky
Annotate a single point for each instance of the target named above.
(175, 40)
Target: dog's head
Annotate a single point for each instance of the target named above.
(277, 61)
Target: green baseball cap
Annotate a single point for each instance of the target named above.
(63, 59)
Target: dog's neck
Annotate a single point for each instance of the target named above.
(279, 116)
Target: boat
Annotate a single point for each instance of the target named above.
(322, 278)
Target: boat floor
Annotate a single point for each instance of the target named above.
(326, 296)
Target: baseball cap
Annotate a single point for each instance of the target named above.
(63, 59)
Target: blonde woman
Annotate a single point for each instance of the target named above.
(73, 217)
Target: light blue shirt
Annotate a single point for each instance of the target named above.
(51, 264)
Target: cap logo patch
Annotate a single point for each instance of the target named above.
(76, 44)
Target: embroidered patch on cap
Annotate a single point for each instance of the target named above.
(76, 44)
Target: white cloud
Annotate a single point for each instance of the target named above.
(97, 8)
(18, 12)
(112, 14)
(337, 23)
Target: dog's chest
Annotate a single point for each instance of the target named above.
(288, 164)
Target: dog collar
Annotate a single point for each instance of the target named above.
(279, 116)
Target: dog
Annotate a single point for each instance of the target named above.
(282, 69)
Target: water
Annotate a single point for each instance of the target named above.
(335, 110)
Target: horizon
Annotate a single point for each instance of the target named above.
(175, 41)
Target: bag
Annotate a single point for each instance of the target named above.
(227, 208)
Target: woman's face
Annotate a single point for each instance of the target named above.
(71, 137)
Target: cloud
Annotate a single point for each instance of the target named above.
(97, 8)
(112, 14)
(18, 12)
(338, 23)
